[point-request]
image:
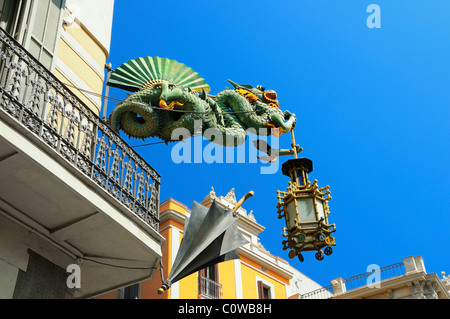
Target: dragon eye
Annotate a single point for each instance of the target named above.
(270, 95)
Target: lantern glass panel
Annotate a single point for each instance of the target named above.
(320, 209)
(292, 213)
(307, 212)
(300, 177)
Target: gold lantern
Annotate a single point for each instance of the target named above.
(304, 206)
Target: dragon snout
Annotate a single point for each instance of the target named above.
(170, 95)
(281, 123)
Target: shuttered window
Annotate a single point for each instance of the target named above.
(6, 17)
(36, 24)
(43, 30)
(11, 16)
(263, 291)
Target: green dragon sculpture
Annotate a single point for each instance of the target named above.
(168, 95)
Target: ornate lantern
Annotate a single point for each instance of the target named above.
(304, 206)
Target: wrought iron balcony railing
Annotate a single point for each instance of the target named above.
(209, 289)
(354, 282)
(383, 273)
(43, 105)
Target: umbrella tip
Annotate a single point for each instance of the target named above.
(163, 288)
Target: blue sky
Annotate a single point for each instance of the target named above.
(372, 106)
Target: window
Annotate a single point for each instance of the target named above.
(131, 292)
(44, 24)
(41, 280)
(208, 283)
(265, 290)
(210, 272)
(7, 10)
(35, 24)
(12, 13)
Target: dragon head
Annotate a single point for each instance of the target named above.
(268, 97)
(170, 93)
(279, 122)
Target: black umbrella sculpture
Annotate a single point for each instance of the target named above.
(210, 237)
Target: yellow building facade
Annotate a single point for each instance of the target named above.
(257, 274)
(83, 48)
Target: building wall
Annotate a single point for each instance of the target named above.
(187, 287)
(17, 247)
(252, 273)
(170, 230)
(84, 48)
(227, 277)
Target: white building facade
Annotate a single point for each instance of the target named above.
(78, 207)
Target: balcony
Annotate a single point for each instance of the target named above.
(66, 176)
(208, 289)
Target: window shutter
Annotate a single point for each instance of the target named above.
(6, 15)
(20, 25)
(11, 16)
(43, 31)
(216, 273)
(260, 289)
